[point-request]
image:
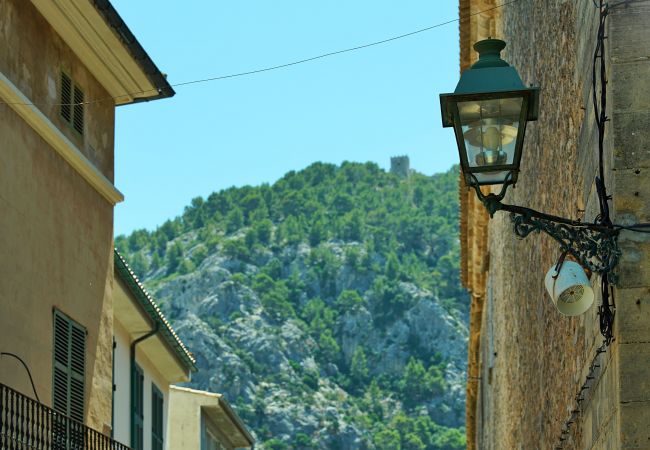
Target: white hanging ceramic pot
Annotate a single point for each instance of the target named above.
(570, 289)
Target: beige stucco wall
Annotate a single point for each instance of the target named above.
(533, 360)
(184, 420)
(55, 229)
(188, 408)
(33, 60)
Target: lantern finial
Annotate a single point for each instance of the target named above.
(489, 51)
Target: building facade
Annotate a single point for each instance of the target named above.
(205, 421)
(64, 67)
(527, 363)
(148, 358)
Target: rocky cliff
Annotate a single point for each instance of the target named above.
(326, 307)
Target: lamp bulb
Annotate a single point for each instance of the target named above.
(492, 138)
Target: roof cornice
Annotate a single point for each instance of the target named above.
(99, 37)
(152, 310)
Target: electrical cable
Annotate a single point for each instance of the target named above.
(279, 66)
(351, 49)
(29, 373)
(607, 310)
(637, 227)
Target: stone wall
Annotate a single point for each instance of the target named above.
(532, 360)
(478, 20)
(55, 229)
(629, 50)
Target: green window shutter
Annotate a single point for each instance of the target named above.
(61, 382)
(77, 371)
(69, 367)
(137, 411)
(156, 419)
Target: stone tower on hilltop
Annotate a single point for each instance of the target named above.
(400, 166)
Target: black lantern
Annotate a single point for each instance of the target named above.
(489, 110)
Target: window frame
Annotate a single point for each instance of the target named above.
(209, 431)
(209, 435)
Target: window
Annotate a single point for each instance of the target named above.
(156, 419)
(137, 407)
(69, 367)
(209, 435)
(72, 103)
(213, 442)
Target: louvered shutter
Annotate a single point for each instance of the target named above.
(77, 371)
(72, 103)
(78, 111)
(66, 97)
(61, 381)
(69, 367)
(137, 413)
(156, 419)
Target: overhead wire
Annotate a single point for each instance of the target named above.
(276, 67)
(351, 49)
(637, 227)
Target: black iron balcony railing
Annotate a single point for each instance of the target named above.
(27, 424)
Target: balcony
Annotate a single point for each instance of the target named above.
(27, 424)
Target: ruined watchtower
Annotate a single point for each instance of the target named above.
(400, 166)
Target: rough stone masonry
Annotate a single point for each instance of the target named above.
(526, 361)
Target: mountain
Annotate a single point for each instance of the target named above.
(327, 307)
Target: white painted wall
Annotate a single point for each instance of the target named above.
(122, 405)
(122, 394)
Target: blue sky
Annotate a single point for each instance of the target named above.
(366, 105)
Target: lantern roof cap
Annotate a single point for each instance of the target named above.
(490, 74)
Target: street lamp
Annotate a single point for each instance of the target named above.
(489, 110)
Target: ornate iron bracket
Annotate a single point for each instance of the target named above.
(595, 246)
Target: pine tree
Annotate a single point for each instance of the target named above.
(234, 220)
(174, 256)
(392, 267)
(359, 366)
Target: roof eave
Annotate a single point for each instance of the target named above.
(157, 78)
(96, 33)
(147, 302)
(236, 420)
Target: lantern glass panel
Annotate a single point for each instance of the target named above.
(489, 129)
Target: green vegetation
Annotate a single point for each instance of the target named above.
(419, 384)
(417, 433)
(407, 226)
(381, 230)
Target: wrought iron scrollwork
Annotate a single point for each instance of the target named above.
(594, 246)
